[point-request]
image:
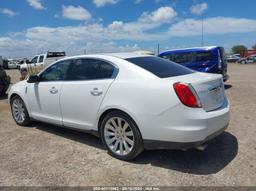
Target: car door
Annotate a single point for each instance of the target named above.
(82, 93)
(43, 96)
(40, 64)
(34, 61)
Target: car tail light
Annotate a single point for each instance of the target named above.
(187, 95)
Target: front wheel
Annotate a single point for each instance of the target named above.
(19, 111)
(121, 136)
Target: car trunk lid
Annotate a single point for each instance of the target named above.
(208, 87)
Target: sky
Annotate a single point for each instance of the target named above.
(29, 27)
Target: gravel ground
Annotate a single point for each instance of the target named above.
(45, 155)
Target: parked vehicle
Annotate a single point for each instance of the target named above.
(233, 58)
(203, 59)
(39, 62)
(9, 64)
(12, 64)
(5, 64)
(238, 55)
(248, 60)
(4, 81)
(133, 102)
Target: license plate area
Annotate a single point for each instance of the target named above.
(217, 95)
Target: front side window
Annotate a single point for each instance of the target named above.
(56, 72)
(34, 60)
(90, 69)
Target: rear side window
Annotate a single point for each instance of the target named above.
(189, 57)
(183, 57)
(203, 56)
(41, 59)
(160, 67)
(90, 69)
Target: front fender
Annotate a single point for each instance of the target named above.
(20, 89)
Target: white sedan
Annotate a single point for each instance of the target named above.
(133, 102)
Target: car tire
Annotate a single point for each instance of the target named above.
(126, 134)
(19, 111)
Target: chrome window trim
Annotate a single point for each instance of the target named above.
(114, 75)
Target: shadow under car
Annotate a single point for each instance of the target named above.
(218, 154)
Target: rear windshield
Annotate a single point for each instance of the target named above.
(160, 67)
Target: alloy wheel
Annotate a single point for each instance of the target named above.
(119, 136)
(18, 110)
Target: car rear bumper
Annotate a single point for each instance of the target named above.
(156, 145)
(183, 127)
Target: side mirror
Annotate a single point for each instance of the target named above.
(33, 79)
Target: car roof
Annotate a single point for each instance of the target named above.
(121, 55)
(126, 55)
(205, 48)
(106, 56)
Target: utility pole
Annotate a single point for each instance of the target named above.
(202, 35)
(158, 49)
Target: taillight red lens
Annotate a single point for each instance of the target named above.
(185, 95)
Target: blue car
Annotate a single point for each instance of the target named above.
(203, 59)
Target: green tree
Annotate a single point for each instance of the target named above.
(239, 49)
(254, 47)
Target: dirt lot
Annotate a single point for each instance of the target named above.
(46, 155)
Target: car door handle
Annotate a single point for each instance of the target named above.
(53, 90)
(96, 92)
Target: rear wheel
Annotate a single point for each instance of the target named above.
(19, 111)
(121, 136)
